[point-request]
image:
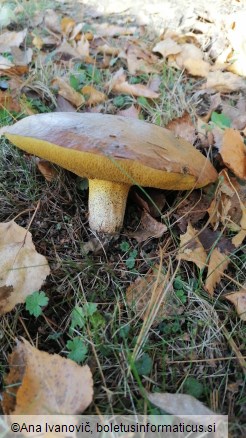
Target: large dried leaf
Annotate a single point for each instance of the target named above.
(233, 152)
(225, 82)
(119, 84)
(149, 228)
(22, 269)
(180, 405)
(191, 248)
(218, 263)
(239, 301)
(66, 91)
(167, 47)
(139, 58)
(40, 383)
(191, 58)
(11, 39)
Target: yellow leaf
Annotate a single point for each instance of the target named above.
(22, 269)
(218, 263)
(40, 383)
(93, 96)
(239, 301)
(233, 152)
(191, 248)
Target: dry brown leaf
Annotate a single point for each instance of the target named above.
(233, 152)
(47, 169)
(11, 39)
(139, 295)
(22, 269)
(8, 102)
(52, 21)
(149, 228)
(191, 209)
(139, 58)
(21, 57)
(183, 127)
(108, 50)
(191, 248)
(93, 96)
(191, 58)
(236, 35)
(83, 46)
(45, 384)
(181, 405)
(111, 30)
(167, 47)
(132, 112)
(119, 84)
(218, 263)
(239, 301)
(224, 82)
(66, 91)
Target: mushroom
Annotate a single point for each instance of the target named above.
(114, 153)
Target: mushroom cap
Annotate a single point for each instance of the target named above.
(113, 148)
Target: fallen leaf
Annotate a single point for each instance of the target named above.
(93, 96)
(191, 248)
(239, 301)
(224, 82)
(237, 38)
(45, 384)
(191, 58)
(167, 47)
(132, 112)
(38, 42)
(47, 169)
(108, 50)
(83, 47)
(139, 58)
(111, 30)
(140, 293)
(182, 405)
(8, 102)
(191, 209)
(66, 91)
(21, 57)
(119, 84)
(233, 152)
(22, 269)
(52, 21)
(218, 263)
(149, 228)
(67, 24)
(11, 39)
(183, 127)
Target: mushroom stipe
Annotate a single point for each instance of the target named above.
(114, 153)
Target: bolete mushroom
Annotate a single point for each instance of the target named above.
(114, 153)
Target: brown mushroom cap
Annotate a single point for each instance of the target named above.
(113, 148)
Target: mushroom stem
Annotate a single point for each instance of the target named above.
(107, 204)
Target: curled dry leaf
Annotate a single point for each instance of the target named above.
(191, 248)
(45, 384)
(149, 228)
(67, 24)
(233, 152)
(183, 127)
(239, 301)
(93, 96)
(218, 263)
(11, 39)
(224, 82)
(119, 84)
(22, 269)
(66, 91)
